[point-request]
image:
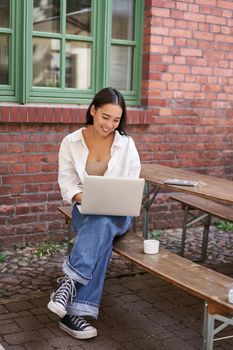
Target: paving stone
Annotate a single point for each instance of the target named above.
(3, 309)
(22, 337)
(102, 345)
(65, 342)
(16, 307)
(38, 345)
(29, 323)
(14, 347)
(9, 328)
(9, 315)
(129, 298)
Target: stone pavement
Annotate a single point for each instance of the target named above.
(138, 311)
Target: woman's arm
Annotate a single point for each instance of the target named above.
(68, 178)
(135, 164)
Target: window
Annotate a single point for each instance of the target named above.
(66, 50)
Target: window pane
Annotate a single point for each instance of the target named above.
(46, 62)
(46, 16)
(121, 67)
(4, 59)
(78, 17)
(123, 19)
(4, 13)
(78, 65)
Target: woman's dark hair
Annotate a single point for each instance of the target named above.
(103, 97)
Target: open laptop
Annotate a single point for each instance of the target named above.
(104, 195)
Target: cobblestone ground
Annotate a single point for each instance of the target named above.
(25, 273)
(138, 310)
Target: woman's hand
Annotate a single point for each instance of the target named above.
(78, 197)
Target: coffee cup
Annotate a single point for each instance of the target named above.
(151, 246)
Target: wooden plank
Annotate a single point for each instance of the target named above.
(214, 309)
(206, 205)
(198, 280)
(212, 187)
(67, 211)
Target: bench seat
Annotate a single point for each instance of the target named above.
(207, 208)
(194, 278)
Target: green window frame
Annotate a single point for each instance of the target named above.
(22, 38)
(7, 53)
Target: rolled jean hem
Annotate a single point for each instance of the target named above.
(82, 309)
(74, 275)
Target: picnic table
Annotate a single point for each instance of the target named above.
(210, 187)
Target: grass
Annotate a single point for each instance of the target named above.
(155, 234)
(2, 258)
(47, 248)
(225, 226)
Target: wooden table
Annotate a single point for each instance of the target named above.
(211, 187)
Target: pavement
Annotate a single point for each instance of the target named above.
(138, 310)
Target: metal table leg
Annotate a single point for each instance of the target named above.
(150, 192)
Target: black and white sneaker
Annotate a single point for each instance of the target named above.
(60, 297)
(77, 327)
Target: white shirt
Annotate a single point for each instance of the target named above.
(73, 154)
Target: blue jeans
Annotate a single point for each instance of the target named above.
(89, 258)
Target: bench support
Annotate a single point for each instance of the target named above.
(150, 192)
(209, 330)
(206, 209)
(187, 222)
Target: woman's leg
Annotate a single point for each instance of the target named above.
(80, 291)
(89, 258)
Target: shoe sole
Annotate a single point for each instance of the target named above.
(56, 309)
(78, 334)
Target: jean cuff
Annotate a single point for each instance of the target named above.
(74, 274)
(83, 309)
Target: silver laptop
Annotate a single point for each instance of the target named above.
(111, 196)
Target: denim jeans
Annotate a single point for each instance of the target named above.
(89, 258)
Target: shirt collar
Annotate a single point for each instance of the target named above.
(77, 135)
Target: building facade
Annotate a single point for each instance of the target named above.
(173, 62)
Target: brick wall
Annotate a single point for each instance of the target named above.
(188, 80)
(187, 93)
(188, 70)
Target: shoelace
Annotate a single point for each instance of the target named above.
(79, 322)
(65, 290)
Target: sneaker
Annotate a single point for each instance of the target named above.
(77, 327)
(59, 299)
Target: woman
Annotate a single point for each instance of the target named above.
(101, 148)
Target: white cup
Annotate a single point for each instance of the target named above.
(151, 246)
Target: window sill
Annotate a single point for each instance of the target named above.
(12, 113)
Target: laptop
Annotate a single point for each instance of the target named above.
(111, 196)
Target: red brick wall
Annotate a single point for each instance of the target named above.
(187, 80)
(188, 89)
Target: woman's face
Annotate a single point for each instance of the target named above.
(106, 118)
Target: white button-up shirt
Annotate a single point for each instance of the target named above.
(73, 154)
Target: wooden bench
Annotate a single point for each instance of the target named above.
(207, 208)
(199, 281)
